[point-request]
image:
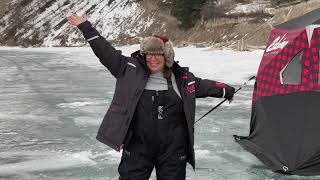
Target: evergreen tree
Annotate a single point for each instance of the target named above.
(187, 11)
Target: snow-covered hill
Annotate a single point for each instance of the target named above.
(242, 23)
(43, 22)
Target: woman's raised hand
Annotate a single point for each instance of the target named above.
(76, 20)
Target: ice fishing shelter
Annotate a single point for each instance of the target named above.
(285, 118)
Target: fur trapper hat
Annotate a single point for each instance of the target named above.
(158, 45)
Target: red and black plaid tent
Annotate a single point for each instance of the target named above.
(285, 118)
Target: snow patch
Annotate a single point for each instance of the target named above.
(87, 120)
(25, 161)
(75, 105)
(255, 6)
(202, 154)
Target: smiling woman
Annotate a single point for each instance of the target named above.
(155, 62)
(151, 116)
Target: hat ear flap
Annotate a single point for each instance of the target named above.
(169, 53)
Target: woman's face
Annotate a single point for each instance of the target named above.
(155, 62)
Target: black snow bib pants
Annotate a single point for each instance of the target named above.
(157, 138)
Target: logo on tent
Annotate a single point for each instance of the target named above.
(278, 43)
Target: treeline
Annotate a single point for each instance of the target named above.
(188, 12)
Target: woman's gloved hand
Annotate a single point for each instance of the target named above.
(229, 93)
(76, 20)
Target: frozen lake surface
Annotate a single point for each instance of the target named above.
(54, 99)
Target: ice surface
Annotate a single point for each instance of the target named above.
(42, 161)
(53, 101)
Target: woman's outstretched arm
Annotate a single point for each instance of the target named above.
(107, 54)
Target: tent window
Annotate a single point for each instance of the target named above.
(291, 73)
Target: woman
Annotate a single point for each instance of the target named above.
(152, 112)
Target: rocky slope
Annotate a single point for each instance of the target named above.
(43, 22)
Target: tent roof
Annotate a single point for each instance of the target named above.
(312, 17)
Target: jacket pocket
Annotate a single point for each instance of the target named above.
(113, 123)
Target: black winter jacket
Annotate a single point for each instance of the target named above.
(132, 75)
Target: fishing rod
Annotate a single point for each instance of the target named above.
(243, 85)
